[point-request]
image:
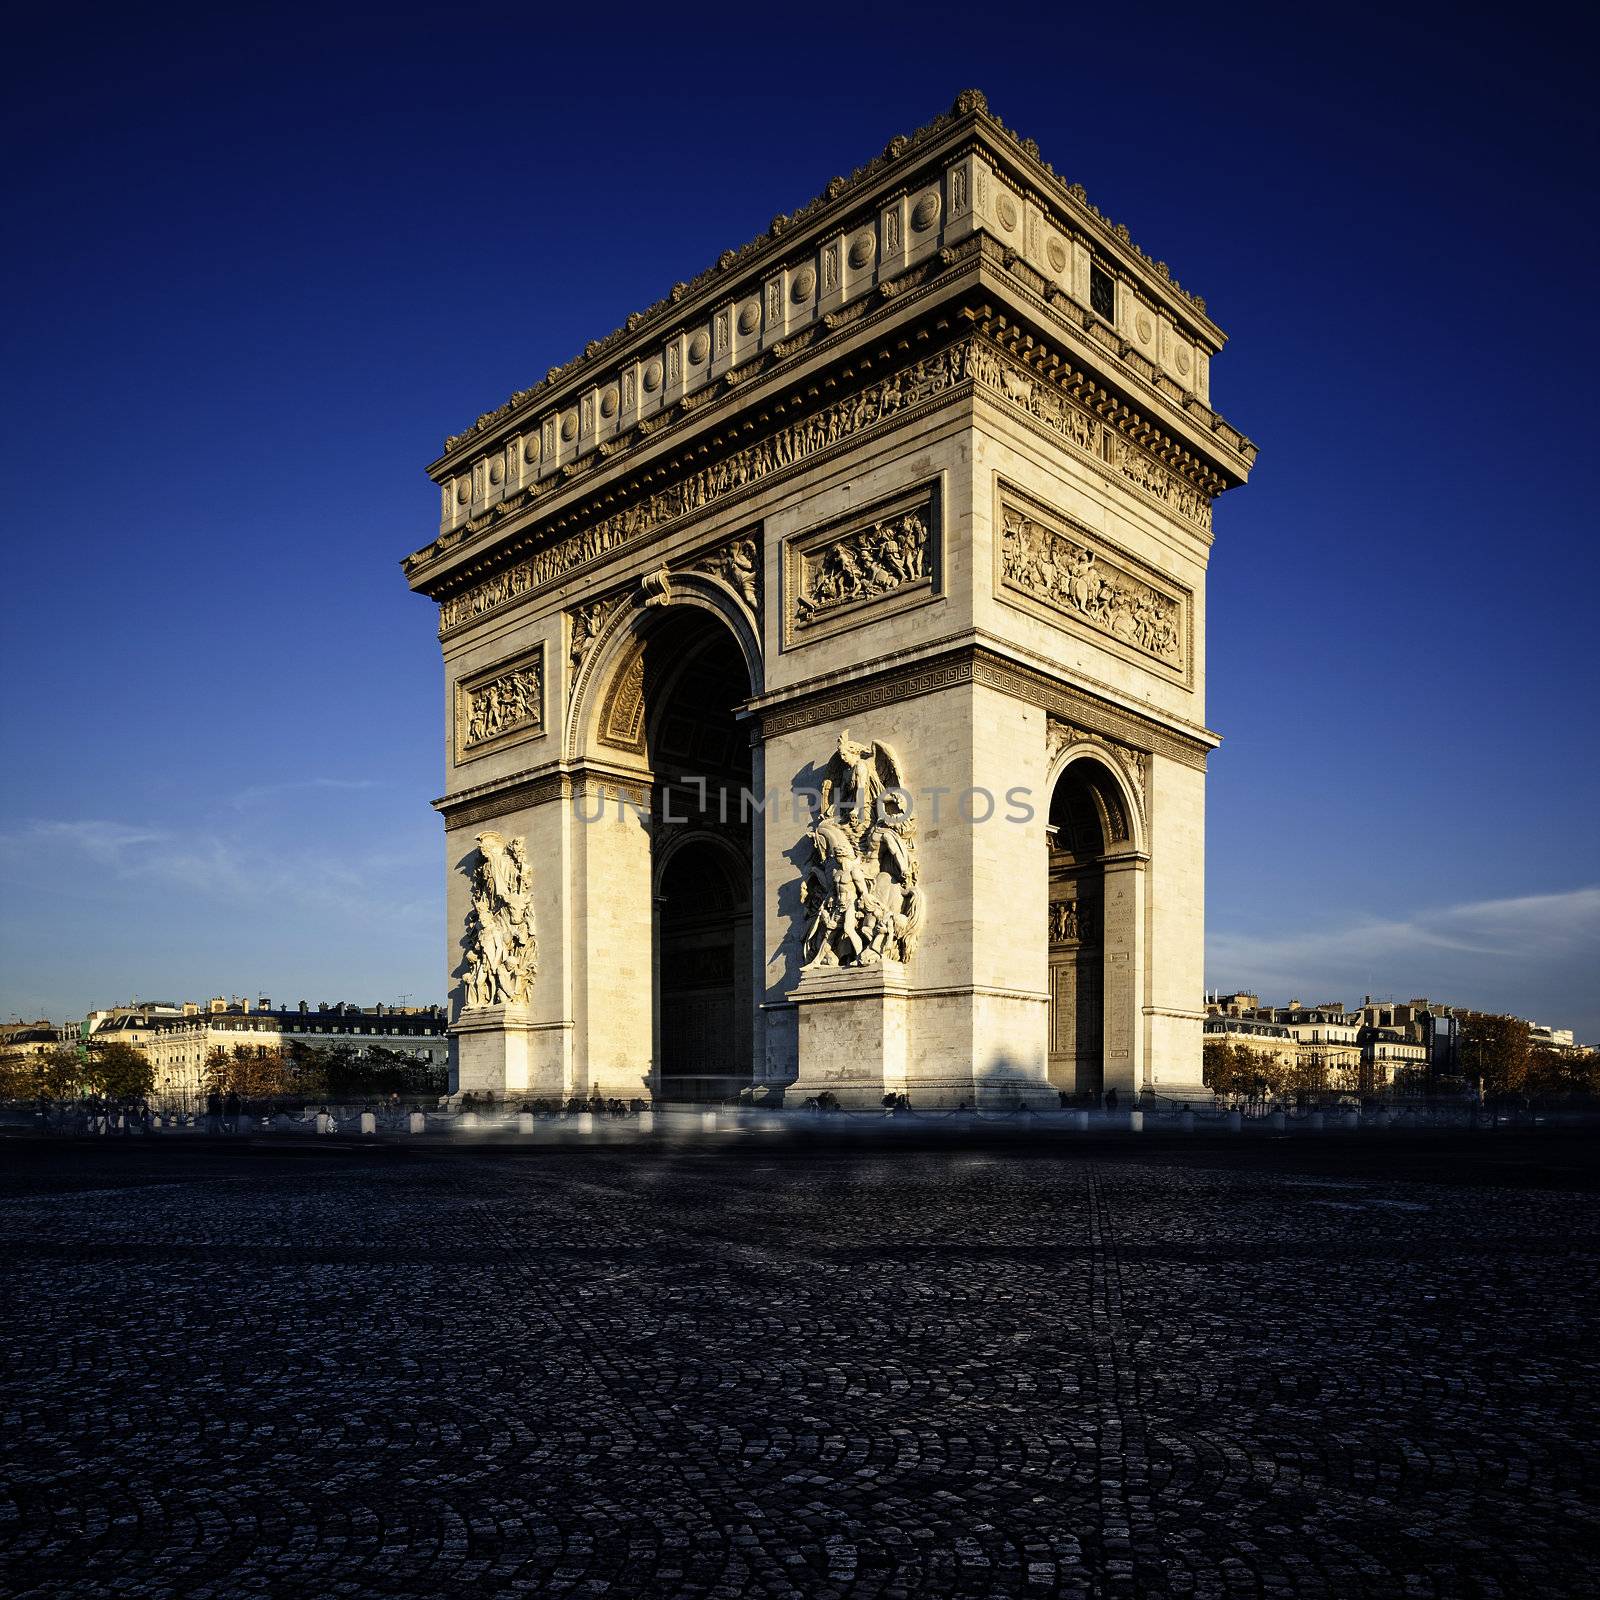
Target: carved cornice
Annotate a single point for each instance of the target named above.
(686, 488)
(663, 493)
(484, 802)
(689, 428)
(469, 807)
(867, 691)
(737, 273)
(1042, 361)
(1146, 453)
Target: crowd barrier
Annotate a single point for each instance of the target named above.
(515, 1122)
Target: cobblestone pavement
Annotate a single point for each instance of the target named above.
(1110, 1371)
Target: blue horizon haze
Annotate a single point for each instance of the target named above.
(264, 260)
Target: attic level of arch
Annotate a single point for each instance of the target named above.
(1026, 190)
(954, 348)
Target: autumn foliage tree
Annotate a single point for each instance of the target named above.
(250, 1074)
(57, 1074)
(303, 1072)
(1496, 1052)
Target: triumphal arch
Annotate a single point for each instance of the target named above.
(825, 663)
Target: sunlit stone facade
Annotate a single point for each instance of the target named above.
(896, 520)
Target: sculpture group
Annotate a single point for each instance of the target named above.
(861, 897)
(1068, 574)
(865, 564)
(502, 953)
(509, 702)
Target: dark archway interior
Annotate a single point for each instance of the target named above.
(696, 677)
(702, 844)
(705, 918)
(1087, 819)
(1087, 815)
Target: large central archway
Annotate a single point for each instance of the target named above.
(701, 859)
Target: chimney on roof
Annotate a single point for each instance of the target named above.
(303, 1008)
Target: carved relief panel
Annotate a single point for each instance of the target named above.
(500, 706)
(1052, 565)
(872, 563)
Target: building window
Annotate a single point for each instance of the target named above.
(1102, 292)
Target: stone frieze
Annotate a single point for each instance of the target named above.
(845, 418)
(865, 564)
(1076, 575)
(502, 706)
(848, 417)
(888, 554)
(1044, 402)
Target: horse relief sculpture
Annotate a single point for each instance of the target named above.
(862, 901)
(502, 953)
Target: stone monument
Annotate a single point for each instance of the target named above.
(825, 664)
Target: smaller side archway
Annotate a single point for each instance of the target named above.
(1095, 927)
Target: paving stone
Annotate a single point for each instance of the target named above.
(386, 1373)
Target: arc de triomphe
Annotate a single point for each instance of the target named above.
(825, 663)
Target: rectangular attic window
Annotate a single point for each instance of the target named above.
(1102, 292)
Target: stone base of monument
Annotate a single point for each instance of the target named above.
(854, 1034)
(500, 1050)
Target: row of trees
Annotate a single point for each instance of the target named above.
(305, 1072)
(1233, 1068)
(109, 1072)
(1498, 1056)
(124, 1072)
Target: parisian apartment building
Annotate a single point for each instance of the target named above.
(179, 1038)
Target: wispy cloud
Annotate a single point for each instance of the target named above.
(265, 793)
(243, 871)
(1545, 947)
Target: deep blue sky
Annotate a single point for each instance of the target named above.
(260, 263)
